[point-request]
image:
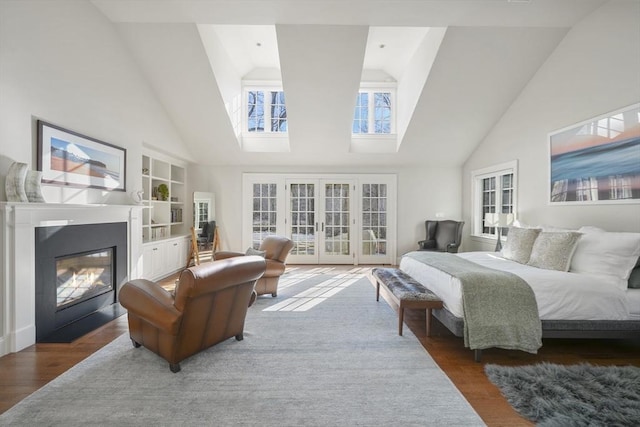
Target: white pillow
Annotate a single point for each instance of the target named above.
(543, 227)
(554, 250)
(520, 224)
(606, 254)
(519, 244)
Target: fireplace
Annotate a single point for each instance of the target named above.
(83, 276)
(18, 222)
(78, 271)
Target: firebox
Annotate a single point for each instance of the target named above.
(80, 277)
(78, 271)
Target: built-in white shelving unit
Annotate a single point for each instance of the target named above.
(164, 220)
(165, 216)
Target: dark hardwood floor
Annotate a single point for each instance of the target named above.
(457, 361)
(26, 371)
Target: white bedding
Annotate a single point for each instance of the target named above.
(559, 295)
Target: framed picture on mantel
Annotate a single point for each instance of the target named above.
(71, 159)
(597, 161)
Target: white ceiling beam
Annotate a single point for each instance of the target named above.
(321, 67)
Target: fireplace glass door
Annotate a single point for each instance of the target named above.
(83, 276)
(78, 270)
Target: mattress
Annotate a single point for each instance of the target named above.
(633, 296)
(559, 295)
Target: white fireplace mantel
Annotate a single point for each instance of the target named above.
(17, 254)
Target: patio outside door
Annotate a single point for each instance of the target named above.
(320, 220)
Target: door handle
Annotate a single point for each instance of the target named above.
(323, 226)
(316, 226)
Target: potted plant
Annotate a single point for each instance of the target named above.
(163, 191)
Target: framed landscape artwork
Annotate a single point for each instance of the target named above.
(597, 161)
(71, 159)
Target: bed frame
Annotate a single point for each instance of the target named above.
(590, 329)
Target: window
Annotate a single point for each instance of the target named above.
(331, 218)
(494, 192)
(374, 112)
(337, 217)
(303, 219)
(264, 127)
(374, 219)
(266, 110)
(264, 212)
(361, 116)
(382, 112)
(201, 213)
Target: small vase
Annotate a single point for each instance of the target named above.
(14, 183)
(32, 186)
(137, 196)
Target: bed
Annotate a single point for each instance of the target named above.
(592, 293)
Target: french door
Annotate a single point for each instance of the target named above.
(331, 218)
(319, 220)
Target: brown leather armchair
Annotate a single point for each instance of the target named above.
(276, 250)
(208, 306)
(442, 236)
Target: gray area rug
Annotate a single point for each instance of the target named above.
(323, 353)
(571, 396)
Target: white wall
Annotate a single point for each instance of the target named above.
(64, 62)
(422, 192)
(594, 70)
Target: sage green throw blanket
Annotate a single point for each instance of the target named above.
(499, 308)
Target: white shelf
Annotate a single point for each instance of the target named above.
(164, 218)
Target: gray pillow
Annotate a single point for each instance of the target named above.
(519, 244)
(252, 251)
(553, 251)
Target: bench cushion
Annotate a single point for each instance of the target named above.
(403, 286)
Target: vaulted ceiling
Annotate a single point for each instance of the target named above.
(458, 64)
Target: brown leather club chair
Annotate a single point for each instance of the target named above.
(276, 250)
(208, 306)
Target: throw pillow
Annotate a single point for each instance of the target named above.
(252, 251)
(606, 254)
(554, 250)
(519, 244)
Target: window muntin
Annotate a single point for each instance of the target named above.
(380, 249)
(382, 112)
(264, 212)
(374, 112)
(255, 111)
(488, 201)
(266, 111)
(374, 219)
(303, 220)
(201, 211)
(495, 192)
(278, 112)
(497, 198)
(337, 219)
(361, 115)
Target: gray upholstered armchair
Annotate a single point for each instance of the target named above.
(205, 238)
(442, 236)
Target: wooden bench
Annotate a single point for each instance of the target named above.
(406, 292)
